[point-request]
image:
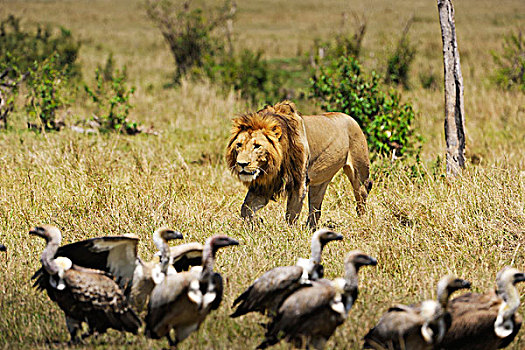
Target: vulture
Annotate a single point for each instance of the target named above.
(267, 293)
(183, 300)
(117, 255)
(83, 294)
(415, 327)
(309, 316)
(486, 321)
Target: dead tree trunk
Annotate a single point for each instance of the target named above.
(454, 107)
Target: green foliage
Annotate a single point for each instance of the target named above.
(429, 80)
(399, 61)
(341, 44)
(8, 90)
(342, 86)
(188, 31)
(511, 63)
(111, 97)
(248, 73)
(45, 96)
(22, 48)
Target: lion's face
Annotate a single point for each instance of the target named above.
(254, 155)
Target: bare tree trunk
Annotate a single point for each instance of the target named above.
(454, 106)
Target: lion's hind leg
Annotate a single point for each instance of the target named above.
(360, 186)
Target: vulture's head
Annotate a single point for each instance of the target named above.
(2, 248)
(325, 235)
(509, 276)
(447, 285)
(221, 241)
(358, 259)
(48, 232)
(163, 235)
(167, 234)
(451, 284)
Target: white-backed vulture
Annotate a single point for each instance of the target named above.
(83, 294)
(117, 255)
(148, 274)
(182, 301)
(309, 316)
(415, 327)
(486, 321)
(267, 292)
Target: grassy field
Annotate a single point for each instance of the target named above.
(419, 225)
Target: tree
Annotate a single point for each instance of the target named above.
(454, 106)
(188, 30)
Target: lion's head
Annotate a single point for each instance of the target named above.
(264, 149)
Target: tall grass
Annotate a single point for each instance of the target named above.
(419, 225)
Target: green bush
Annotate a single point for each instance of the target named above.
(511, 62)
(248, 73)
(399, 61)
(22, 48)
(111, 97)
(10, 79)
(45, 95)
(341, 44)
(342, 86)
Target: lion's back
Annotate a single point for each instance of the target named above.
(334, 139)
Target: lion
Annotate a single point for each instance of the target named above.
(276, 151)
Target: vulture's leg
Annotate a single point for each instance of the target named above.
(73, 326)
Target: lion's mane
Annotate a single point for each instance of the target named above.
(285, 164)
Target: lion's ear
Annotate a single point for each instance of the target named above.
(276, 130)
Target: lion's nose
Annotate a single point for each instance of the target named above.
(242, 164)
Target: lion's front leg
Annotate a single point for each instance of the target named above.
(294, 203)
(252, 203)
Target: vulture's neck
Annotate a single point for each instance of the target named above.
(442, 296)
(351, 281)
(48, 258)
(317, 249)
(164, 249)
(208, 261)
(511, 298)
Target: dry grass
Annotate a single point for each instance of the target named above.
(419, 225)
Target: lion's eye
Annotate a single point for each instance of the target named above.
(255, 146)
(238, 145)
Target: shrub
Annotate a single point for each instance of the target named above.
(111, 97)
(342, 86)
(8, 90)
(511, 62)
(21, 49)
(188, 31)
(399, 61)
(248, 73)
(344, 43)
(45, 95)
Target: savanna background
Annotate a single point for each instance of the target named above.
(419, 224)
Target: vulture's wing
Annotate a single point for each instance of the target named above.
(394, 325)
(186, 255)
(473, 316)
(100, 299)
(300, 306)
(272, 287)
(113, 254)
(219, 286)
